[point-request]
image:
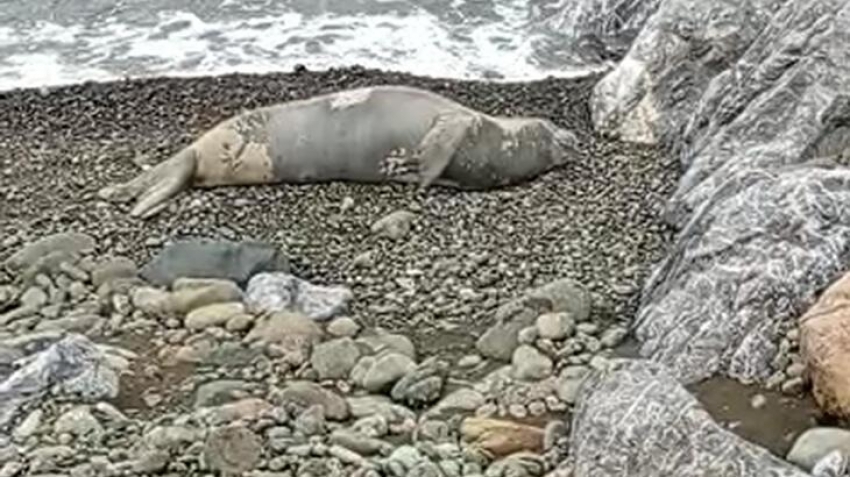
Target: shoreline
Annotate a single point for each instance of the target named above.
(566, 75)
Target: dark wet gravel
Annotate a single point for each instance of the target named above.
(597, 220)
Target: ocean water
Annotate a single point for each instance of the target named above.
(54, 42)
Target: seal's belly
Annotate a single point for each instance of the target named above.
(323, 142)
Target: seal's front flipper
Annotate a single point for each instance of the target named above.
(154, 187)
(437, 148)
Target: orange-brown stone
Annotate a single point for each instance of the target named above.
(500, 438)
(825, 347)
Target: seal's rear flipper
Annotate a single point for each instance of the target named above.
(154, 187)
(437, 148)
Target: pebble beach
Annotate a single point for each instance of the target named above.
(438, 282)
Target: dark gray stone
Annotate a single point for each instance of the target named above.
(197, 258)
(635, 419)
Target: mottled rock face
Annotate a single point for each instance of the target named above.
(824, 330)
(760, 232)
(632, 400)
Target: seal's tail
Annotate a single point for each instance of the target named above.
(153, 188)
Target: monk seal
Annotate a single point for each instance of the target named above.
(373, 134)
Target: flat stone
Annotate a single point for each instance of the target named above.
(335, 359)
(305, 394)
(71, 243)
(529, 364)
(278, 292)
(814, 444)
(236, 261)
(217, 314)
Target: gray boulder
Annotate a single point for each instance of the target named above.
(763, 225)
(199, 258)
(649, 96)
(784, 102)
(743, 268)
(635, 419)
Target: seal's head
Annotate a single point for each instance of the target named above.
(563, 144)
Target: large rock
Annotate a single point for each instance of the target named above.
(651, 93)
(197, 258)
(761, 231)
(825, 348)
(271, 292)
(68, 243)
(561, 296)
(635, 419)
